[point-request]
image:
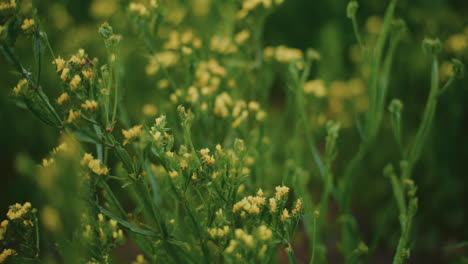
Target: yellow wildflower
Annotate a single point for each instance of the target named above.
(281, 191)
(242, 36)
(163, 84)
(96, 167)
(232, 246)
(285, 55)
(149, 110)
(17, 211)
(88, 74)
(138, 9)
(3, 228)
(89, 105)
(51, 219)
(272, 202)
(62, 98)
(285, 215)
(28, 23)
(206, 157)
(72, 115)
(59, 64)
(64, 75)
(457, 43)
(315, 87)
(17, 89)
(6, 252)
(131, 133)
(374, 24)
(222, 101)
(5, 5)
(140, 259)
(298, 208)
(264, 233)
(244, 237)
(75, 82)
(94, 164)
(47, 162)
(173, 174)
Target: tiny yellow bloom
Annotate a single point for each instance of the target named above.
(28, 23)
(75, 82)
(173, 174)
(6, 254)
(64, 75)
(88, 74)
(131, 133)
(315, 87)
(281, 191)
(59, 64)
(19, 87)
(89, 105)
(62, 98)
(285, 215)
(72, 115)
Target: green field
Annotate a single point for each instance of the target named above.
(233, 131)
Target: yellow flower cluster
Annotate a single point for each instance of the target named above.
(173, 174)
(273, 204)
(50, 218)
(457, 43)
(72, 115)
(59, 64)
(89, 105)
(19, 87)
(264, 233)
(218, 232)
(222, 102)
(315, 87)
(165, 58)
(140, 259)
(285, 215)
(249, 204)
(131, 133)
(47, 162)
(340, 95)
(281, 191)
(5, 5)
(177, 40)
(249, 5)
(3, 228)
(6, 252)
(94, 164)
(138, 9)
(28, 24)
(209, 159)
(17, 211)
(75, 82)
(242, 110)
(243, 236)
(222, 45)
(298, 207)
(284, 54)
(242, 36)
(75, 70)
(62, 98)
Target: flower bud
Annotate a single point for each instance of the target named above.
(351, 9)
(431, 46)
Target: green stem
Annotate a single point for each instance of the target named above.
(314, 242)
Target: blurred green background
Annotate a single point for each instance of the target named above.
(441, 174)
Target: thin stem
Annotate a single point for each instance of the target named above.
(314, 242)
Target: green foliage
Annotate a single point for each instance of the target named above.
(179, 129)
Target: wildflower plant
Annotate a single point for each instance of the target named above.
(198, 176)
